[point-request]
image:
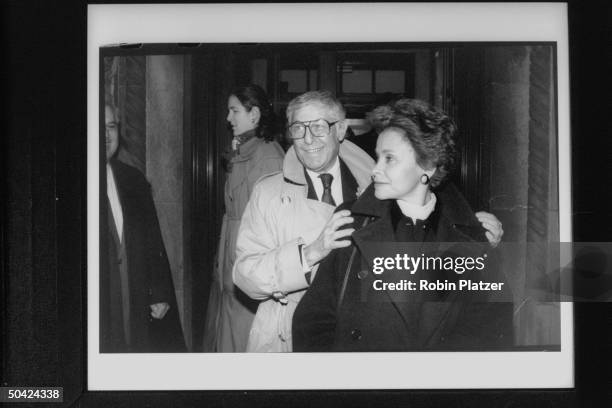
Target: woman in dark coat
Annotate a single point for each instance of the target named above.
(344, 308)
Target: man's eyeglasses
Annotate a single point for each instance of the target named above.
(318, 128)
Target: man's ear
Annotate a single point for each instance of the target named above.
(255, 114)
(341, 127)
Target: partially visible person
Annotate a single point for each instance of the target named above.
(254, 154)
(289, 225)
(367, 141)
(138, 310)
(343, 311)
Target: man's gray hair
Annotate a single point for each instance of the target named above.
(323, 97)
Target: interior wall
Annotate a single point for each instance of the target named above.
(506, 108)
(164, 164)
(422, 75)
(214, 75)
(540, 315)
(514, 121)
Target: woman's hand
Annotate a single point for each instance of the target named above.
(329, 238)
(493, 226)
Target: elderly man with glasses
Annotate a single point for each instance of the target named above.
(289, 225)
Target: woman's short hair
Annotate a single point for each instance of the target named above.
(253, 95)
(322, 97)
(430, 131)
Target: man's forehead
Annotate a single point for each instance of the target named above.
(313, 110)
(109, 114)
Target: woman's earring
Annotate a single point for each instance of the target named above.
(424, 179)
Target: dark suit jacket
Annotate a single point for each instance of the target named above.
(369, 320)
(149, 275)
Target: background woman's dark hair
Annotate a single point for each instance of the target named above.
(431, 133)
(253, 95)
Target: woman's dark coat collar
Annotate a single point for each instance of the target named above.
(451, 207)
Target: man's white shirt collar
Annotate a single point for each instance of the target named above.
(113, 199)
(336, 187)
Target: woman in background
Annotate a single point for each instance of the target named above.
(344, 311)
(254, 154)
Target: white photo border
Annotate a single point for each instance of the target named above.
(358, 22)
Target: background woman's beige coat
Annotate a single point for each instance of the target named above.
(230, 312)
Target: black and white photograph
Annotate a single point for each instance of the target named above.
(259, 198)
(235, 281)
(255, 204)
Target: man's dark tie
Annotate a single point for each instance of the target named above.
(327, 178)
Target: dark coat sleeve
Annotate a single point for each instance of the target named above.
(145, 246)
(149, 268)
(486, 320)
(482, 326)
(161, 286)
(476, 321)
(314, 320)
(165, 335)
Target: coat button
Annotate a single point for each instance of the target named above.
(356, 334)
(362, 274)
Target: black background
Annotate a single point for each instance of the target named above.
(43, 229)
